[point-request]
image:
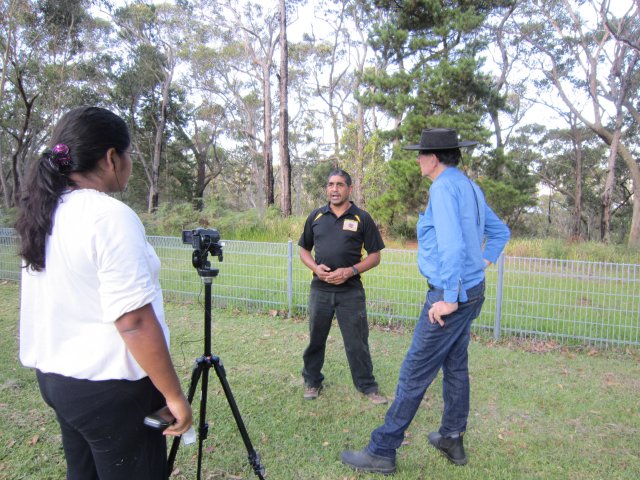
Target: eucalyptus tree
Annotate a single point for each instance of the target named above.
(581, 50)
(368, 154)
(202, 139)
(330, 65)
(153, 35)
(568, 154)
(305, 123)
(361, 145)
(221, 81)
(257, 29)
(338, 55)
(45, 70)
(509, 105)
(283, 117)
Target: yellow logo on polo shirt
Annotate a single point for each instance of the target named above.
(351, 225)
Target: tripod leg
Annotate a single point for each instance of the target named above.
(200, 365)
(203, 426)
(254, 457)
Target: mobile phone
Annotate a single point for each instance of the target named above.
(160, 419)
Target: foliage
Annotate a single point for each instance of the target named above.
(316, 182)
(431, 79)
(44, 69)
(365, 77)
(506, 199)
(544, 247)
(405, 196)
(171, 219)
(8, 216)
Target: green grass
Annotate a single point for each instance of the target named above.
(538, 411)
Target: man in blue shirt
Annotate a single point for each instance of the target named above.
(459, 236)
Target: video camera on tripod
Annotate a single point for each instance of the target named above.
(203, 241)
(207, 241)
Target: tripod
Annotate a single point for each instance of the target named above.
(201, 371)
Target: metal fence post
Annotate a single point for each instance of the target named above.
(290, 276)
(499, 286)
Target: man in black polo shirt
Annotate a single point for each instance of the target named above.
(338, 232)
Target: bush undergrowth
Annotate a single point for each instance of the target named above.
(253, 226)
(270, 226)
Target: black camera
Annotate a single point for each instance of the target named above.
(203, 241)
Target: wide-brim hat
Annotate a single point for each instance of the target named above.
(439, 139)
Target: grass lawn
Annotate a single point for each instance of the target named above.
(537, 411)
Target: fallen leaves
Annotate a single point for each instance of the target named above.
(503, 433)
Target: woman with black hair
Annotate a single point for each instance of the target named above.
(91, 317)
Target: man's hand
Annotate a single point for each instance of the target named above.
(441, 309)
(339, 276)
(322, 271)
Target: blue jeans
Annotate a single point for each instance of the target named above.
(433, 347)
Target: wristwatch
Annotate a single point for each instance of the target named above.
(355, 271)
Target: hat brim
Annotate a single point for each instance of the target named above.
(442, 147)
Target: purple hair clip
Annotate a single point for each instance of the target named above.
(59, 156)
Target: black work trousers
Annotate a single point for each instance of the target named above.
(350, 309)
(103, 434)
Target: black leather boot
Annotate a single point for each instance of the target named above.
(368, 462)
(450, 446)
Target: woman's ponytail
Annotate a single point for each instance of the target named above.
(40, 194)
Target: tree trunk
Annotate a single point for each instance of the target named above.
(607, 194)
(154, 192)
(285, 161)
(577, 194)
(267, 147)
(22, 140)
(634, 231)
(5, 62)
(358, 194)
(201, 159)
(577, 209)
(256, 161)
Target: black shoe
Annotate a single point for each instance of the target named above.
(451, 447)
(368, 462)
(311, 393)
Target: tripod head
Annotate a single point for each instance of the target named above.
(204, 242)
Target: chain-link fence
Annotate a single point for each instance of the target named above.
(575, 302)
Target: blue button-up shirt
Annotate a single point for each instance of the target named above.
(456, 232)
